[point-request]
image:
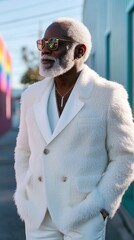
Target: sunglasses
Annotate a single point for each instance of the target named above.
(52, 43)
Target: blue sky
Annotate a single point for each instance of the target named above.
(23, 22)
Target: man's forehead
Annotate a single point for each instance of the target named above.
(56, 30)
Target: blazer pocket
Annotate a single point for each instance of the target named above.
(89, 120)
(92, 130)
(27, 178)
(86, 184)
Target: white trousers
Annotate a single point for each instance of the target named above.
(94, 229)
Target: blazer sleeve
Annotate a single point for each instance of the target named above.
(120, 169)
(120, 148)
(22, 150)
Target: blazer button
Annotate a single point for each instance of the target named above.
(40, 179)
(64, 179)
(46, 151)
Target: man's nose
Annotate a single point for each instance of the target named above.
(46, 50)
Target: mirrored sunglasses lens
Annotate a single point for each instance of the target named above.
(53, 43)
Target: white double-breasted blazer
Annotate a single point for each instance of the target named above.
(86, 164)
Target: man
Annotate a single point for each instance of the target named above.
(74, 156)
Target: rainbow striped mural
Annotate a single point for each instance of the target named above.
(5, 86)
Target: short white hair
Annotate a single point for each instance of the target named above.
(78, 32)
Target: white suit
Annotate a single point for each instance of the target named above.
(86, 164)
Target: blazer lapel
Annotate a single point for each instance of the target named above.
(40, 112)
(76, 101)
(71, 109)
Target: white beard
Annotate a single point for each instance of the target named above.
(59, 67)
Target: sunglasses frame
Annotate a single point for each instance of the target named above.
(44, 42)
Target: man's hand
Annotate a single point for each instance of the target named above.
(104, 213)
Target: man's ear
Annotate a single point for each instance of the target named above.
(80, 50)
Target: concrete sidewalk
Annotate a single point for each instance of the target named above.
(11, 227)
(121, 227)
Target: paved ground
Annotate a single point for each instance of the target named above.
(11, 228)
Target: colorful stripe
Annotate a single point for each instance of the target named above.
(5, 76)
(5, 68)
(1, 50)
